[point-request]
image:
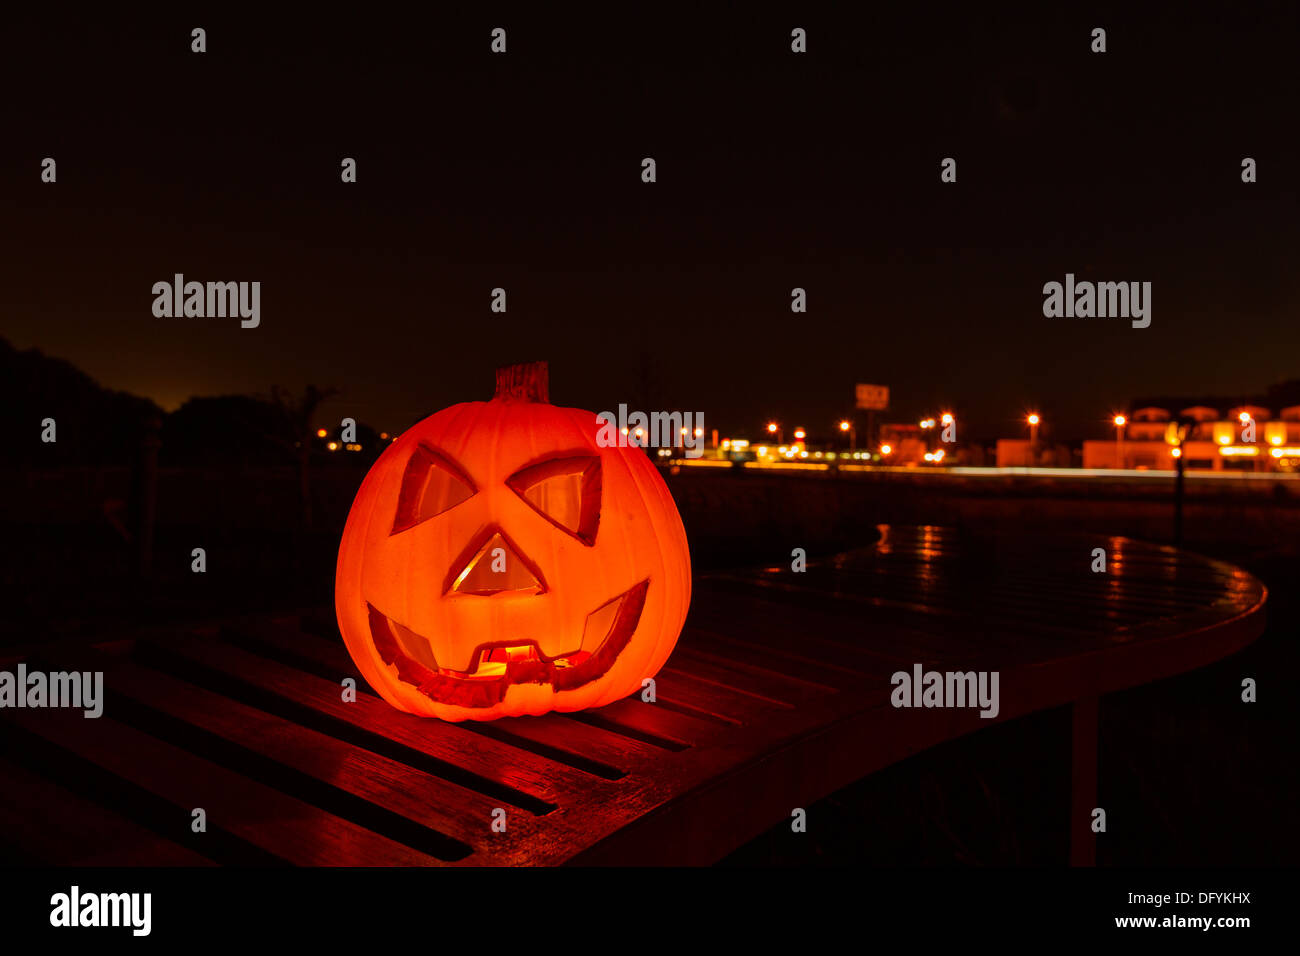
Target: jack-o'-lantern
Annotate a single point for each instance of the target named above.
(499, 561)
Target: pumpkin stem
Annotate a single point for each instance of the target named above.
(526, 382)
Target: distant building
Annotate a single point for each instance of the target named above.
(907, 444)
(1213, 440)
(1022, 453)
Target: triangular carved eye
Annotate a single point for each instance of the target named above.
(431, 485)
(564, 491)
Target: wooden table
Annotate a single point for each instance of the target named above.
(777, 694)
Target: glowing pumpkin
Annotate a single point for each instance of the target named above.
(497, 562)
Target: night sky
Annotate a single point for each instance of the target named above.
(775, 170)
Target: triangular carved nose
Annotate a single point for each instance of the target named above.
(497, 567)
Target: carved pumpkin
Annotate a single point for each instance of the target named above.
(497, 562)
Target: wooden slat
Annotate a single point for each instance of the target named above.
(81, 832)
(285, 827)
(283, 634)
(712, 689)
(428, 802)
(749, 656)
(721, 604)
(552, 731)
(943, 626)
(514, 768)
(1023, 594)
(639, 720)
(779, 684)
(557, 732)
(1028, 592)
(809, 652)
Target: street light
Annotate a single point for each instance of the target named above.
(949, 433)
(1120, 422)
(774, 429)
(847, 426)
(1033, 421)
(1246, 422)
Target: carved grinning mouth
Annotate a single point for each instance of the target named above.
(497, 665)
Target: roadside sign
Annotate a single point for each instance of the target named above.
(873, 397)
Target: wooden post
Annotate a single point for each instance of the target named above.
(1083, 781)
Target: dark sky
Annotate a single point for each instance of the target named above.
(775, 170)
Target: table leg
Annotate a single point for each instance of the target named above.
(1083, 782)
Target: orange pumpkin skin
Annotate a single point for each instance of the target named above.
(611, 578)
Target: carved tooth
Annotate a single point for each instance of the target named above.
(599, 623)
(415, 646)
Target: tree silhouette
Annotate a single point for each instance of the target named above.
(298, 413)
